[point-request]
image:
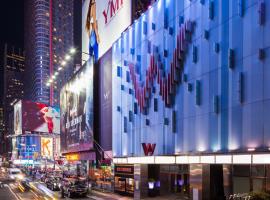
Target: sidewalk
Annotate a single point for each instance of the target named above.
(113, 196)
(108, 195)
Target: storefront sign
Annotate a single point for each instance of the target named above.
(124, 169)
(73, 157)
(81, 156)
(148, 149)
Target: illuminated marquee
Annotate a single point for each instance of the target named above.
(73, 157)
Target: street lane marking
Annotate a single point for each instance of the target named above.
(17, 197)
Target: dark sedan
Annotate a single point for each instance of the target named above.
(53, 183)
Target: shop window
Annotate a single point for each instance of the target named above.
(241, 170)
(258, 171)
(241, 185)
(257, 184)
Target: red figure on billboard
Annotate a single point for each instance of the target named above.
(148, 149)
(49, 115)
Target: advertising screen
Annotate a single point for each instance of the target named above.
(18, 118)
(46, 147)
(76, 103)
(27, 146)
(105, 100)
(39, 117)
(102, 24)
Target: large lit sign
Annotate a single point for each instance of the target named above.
(112, 8)
(76, 102)
(18, 118)
(102, 24)
(148, 149)
(36, 117)
(46, 147)
(73, 157)
(124, 169)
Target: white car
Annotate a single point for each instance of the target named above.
(15, 173)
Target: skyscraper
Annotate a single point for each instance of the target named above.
(49, 28)
(13, 75)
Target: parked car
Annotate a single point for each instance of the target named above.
(71, 187)
(53, 183)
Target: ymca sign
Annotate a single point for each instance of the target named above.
(112, 18)
(112, 7)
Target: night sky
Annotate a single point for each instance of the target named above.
(11, 22)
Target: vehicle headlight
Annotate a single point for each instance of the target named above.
(21, 177)
(54, 184)
(12, 177)
(59, 185)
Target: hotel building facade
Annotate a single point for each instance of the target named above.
(190, 100)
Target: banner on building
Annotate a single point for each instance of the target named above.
(102, 24)
(76, 102)
(36, 117)
(46, 147)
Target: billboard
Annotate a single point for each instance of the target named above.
(105, 100)
(27, 146)
(102, 24)
(46, 147)
(18, 118)
(76, 103)
(36, 117)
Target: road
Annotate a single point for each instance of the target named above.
(13, 190)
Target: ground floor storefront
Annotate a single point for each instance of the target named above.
(193, 180)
